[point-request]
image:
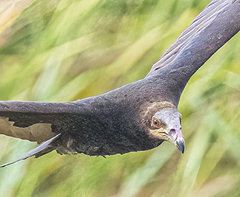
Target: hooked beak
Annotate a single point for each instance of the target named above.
(180, 144)
(176, 138)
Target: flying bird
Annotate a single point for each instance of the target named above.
(135, 117)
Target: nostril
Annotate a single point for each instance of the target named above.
(173, 133)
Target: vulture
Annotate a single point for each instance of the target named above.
(134, 117)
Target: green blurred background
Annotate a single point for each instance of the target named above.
(52, 50)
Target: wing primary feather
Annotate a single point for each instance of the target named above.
(35, 151)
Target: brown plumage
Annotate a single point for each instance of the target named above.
(135, 117)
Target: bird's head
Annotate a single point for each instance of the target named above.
(165, 124)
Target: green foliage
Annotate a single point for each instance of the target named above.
(66, 50)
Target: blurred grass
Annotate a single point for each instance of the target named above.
(66, 50)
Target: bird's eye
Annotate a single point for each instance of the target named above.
(156, 122)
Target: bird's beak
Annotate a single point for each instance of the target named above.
(180, 144)
(176, 137)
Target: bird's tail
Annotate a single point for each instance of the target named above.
(43, 148)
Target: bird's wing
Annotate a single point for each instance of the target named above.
(31, 120)
(211, 29)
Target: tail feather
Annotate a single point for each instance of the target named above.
(35, 152)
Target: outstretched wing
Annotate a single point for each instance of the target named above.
(210, 30)
(32, 121)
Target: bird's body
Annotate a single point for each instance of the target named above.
(111, 123)
(137, 116)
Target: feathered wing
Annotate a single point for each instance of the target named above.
(32, 121)
(210, 30)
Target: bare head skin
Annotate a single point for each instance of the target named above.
(166, 125)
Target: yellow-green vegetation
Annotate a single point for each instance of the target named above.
(52, 50)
